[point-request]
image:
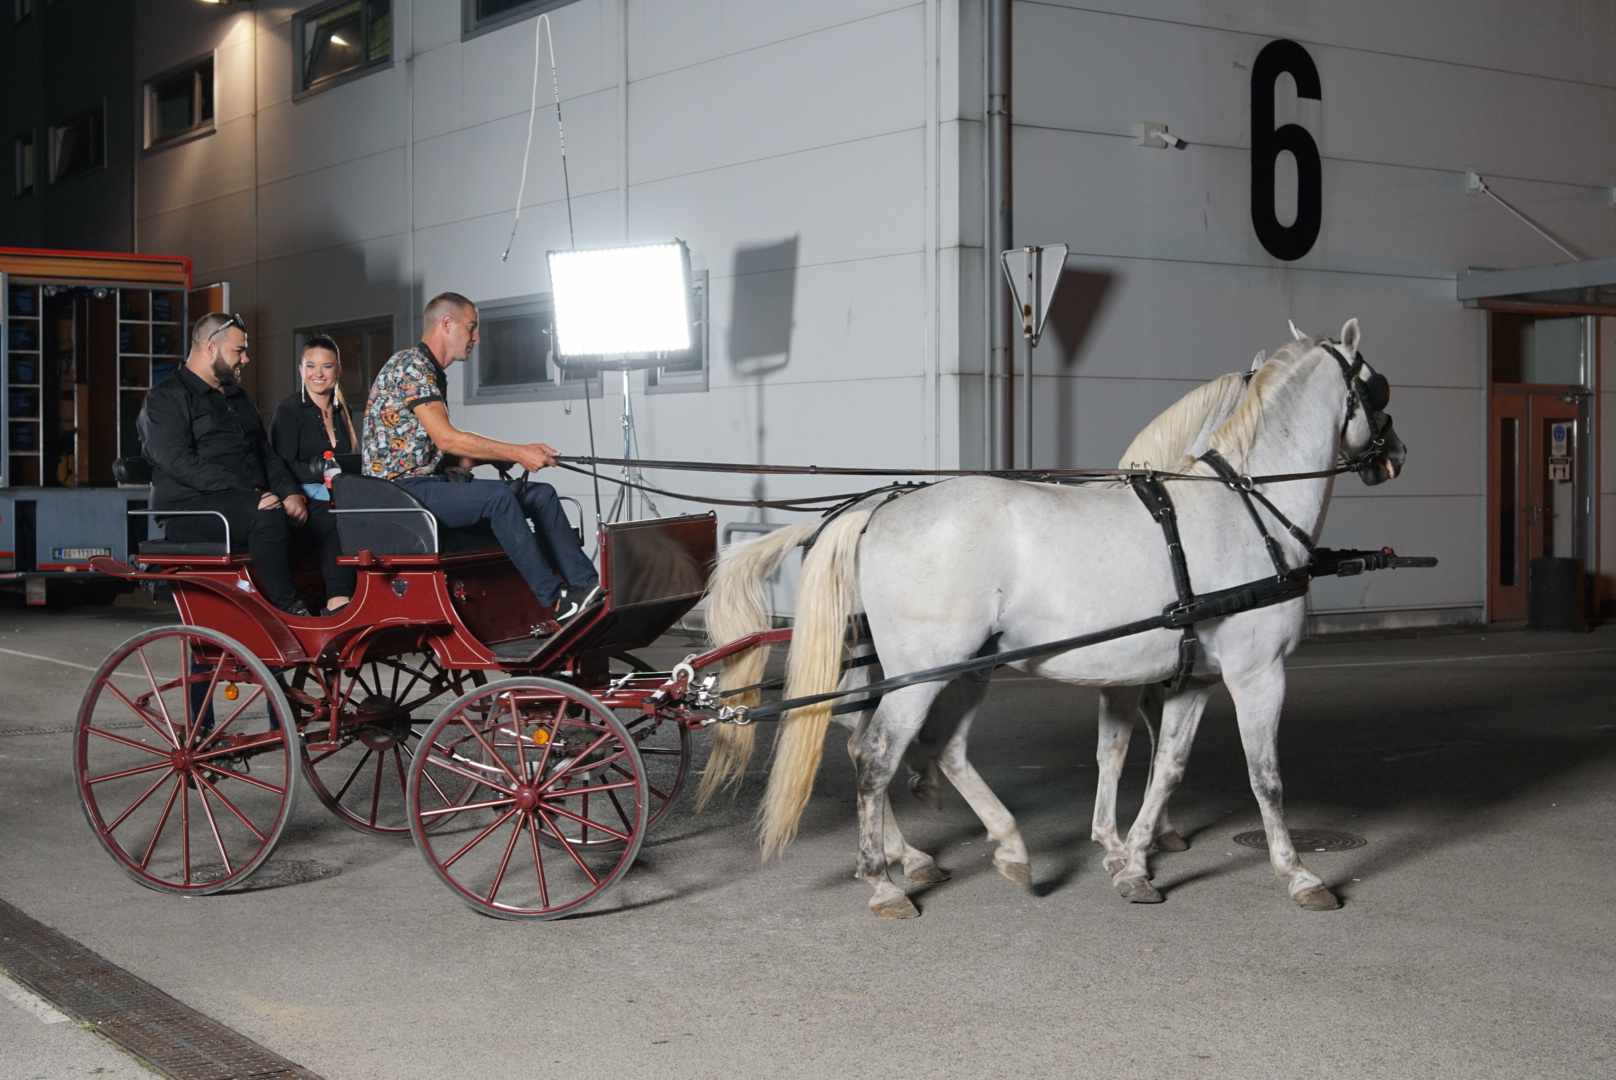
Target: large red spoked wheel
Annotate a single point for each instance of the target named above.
(546, 762)
(664, 746)
(361, 775)
(185, 758)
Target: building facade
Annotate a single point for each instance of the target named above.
(828, 166)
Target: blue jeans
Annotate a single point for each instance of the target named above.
(547, 555)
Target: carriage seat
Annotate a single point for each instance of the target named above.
(401, 526)
(136, 471)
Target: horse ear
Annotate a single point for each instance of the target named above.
(1257, 361)
(1295, 333)
(1349, 335)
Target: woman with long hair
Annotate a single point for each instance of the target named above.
(308, 425)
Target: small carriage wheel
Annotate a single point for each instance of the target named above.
(540, 755)
(184, 756)
(362, 778)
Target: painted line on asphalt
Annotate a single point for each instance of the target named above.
(65, 663)
(30, 1003)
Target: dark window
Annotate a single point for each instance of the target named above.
(340, 39)
(79, 144)
(478, 16)
(22, 152)
(365, 343)
(512, 360)
(180, 102)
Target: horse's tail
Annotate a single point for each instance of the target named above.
(824, 602)
(738, 605)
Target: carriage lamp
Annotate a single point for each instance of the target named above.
(231, 693)
(540, 737)
(621, 302)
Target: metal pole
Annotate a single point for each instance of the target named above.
(1035, 287)
(1000, 419)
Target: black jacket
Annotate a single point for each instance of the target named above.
(298, 435)
(201, 441)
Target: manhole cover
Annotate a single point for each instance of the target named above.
(1305, 840)
(274, 874)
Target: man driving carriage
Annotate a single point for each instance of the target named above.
(408, 438)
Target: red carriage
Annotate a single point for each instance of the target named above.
(527, 770)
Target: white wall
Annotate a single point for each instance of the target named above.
(798, 149)
(1175, 287)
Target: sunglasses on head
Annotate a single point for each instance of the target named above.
(234, 320)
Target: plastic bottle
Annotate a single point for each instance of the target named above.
(331, 468)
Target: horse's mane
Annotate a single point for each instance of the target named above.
(1234, 436)
(1166, 440)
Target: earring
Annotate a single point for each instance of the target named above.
(302, 388)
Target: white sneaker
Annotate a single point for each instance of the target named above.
(567, 606)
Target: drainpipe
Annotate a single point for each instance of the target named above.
(1000, 425)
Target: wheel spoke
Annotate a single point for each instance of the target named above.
(621, 814)
(213, 826)
(479, 838)
(146, 717)
(587, 823)
(447, 766)
(136, 771)
(555, 725)
(427, 776)
(571, 850)
(516, 733)
(579, 761)
(185, 830)
(207, 698)
(262, 741)
(538, 861)
(592, 789)
(505, 860)
(491, 752)
(353, 775)
(230, 806)
(162, 706)
(376, 788)
(157, 832)
(133, 744)
(119, 820)
(251, 780)
(398, 767)
(461, 809)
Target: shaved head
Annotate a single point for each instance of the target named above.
(445, 303)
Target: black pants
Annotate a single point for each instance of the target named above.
(263, 534)
(321, 531)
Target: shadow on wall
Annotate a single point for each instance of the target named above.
(1080, 298)
(761, 319)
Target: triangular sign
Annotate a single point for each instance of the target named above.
(1033, 273)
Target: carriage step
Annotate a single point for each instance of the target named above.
(321, 747)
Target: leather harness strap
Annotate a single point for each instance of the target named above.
(1154, 495)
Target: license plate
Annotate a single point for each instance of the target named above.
(79, 554)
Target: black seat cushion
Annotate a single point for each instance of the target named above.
(182, 547)
(400, 526)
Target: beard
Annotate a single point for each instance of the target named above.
(225, 371)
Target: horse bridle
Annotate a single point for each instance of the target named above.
(1372, 396)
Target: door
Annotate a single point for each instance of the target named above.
(1535, 488)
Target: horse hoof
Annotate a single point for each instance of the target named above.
(1317, 898)
(1018, 872)
(896, 908)
(930, 874)
(1138, 891)
(1172, 840)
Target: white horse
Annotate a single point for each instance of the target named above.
(737, 607)
(979, 566)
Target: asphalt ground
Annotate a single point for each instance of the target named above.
(1475, 941)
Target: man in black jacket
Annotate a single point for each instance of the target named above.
(208, 452)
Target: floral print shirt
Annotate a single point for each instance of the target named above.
(395, 444)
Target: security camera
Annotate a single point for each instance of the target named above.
(1173, 141)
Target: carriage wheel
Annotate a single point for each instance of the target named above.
(546, 761)
(183, 755)
(362, 779)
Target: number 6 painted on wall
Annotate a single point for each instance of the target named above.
(1288, 242)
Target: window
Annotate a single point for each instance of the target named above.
(688, 371)
(337, 41)
(22, 152)
(365, 343)
(481, 16)
(512, 361)
(78, 144)
(180, 103)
